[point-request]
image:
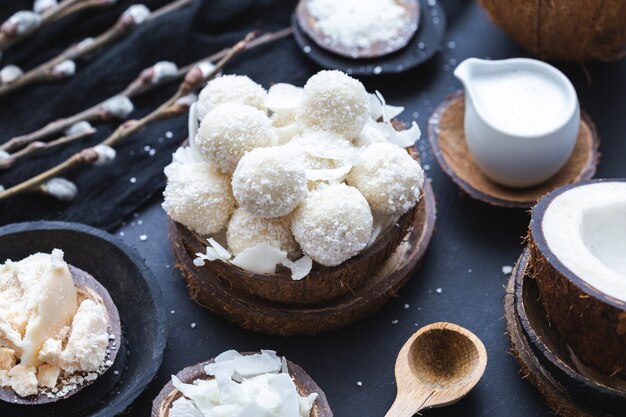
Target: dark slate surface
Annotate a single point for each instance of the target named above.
(472, 242)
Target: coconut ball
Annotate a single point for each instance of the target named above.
(389, 178)
(229, 131)
(270, 182)
(333, 224)
(246, 230)
(322, 150)
(230, 89)
(334, 102)
(198, 196)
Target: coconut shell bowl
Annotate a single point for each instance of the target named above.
(447, 140)
(108, 272)
(566, 327)
(328, 298)
(304, 385)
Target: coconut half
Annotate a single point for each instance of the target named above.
(578, 256)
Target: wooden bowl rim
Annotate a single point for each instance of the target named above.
(586, 172)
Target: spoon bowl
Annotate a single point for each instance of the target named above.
(437, 366)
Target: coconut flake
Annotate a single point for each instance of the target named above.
(329, 174)
(380, 109)
(283, 97)
(245, 366)
(261, 258)
(403, 138)
(222, 253)
(183, 407)
(287, 132)
(163, 71)
(118, 106)
(299, 268)
(10, 73)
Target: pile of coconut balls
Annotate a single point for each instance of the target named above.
(291, 174)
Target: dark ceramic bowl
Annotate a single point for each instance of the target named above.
(136, 295)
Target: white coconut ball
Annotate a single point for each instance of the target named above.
(229, 131)
(246, 230)
(389, 178)
(238, 89)
(322, 150)
(333, 224)
(270, 182)
(198, 196)
(334, 102)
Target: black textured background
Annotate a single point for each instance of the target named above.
(472, 241)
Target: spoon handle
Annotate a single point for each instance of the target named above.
(403, 407)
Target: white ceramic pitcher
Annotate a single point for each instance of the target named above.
(511, 158)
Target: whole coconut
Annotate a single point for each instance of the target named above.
(572, 30)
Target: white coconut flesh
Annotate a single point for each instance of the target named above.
(585, 228)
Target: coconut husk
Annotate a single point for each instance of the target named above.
(586, 388)
(590, 322)
(88, 288)
(304, 384)
(572, 30)
(254, 313)
(309, 25)
(447, 139)
(322, 283)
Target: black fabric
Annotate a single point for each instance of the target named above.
(106, 194)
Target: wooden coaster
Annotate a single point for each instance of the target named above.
(447, 140)
(304, 383)
(87, 288)
(253, 313)
(309, 25)
(544, 358)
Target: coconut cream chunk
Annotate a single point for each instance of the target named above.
(242, 386)
(45, 333)
(585, 228)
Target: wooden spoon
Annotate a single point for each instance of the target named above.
(436, 367)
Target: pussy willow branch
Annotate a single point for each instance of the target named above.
(193, 80)
(46, 71)
(63, 9)
(140, 85)
(35, 147)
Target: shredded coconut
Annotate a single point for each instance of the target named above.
(246, 230)
(359, 23)
(230, 89)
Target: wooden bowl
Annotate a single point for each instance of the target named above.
(132, 289)
(570, 388)
(421, 47)
(447, 140)
(322, 284)
(304, 384)
(87, 288)
(309, 25)
(254, 313)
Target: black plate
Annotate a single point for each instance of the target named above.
(134, 291)
(424, 44)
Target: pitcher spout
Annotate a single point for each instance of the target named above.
(467, 69)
